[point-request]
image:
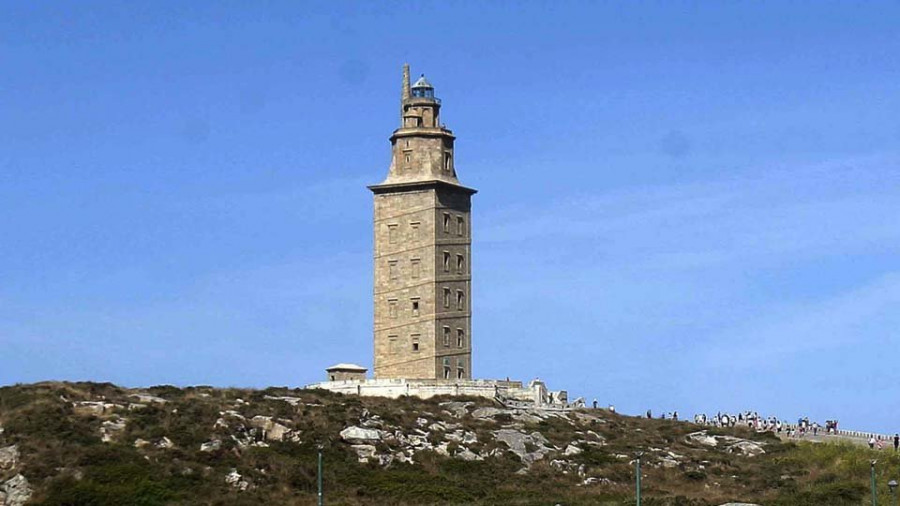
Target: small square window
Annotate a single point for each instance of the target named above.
(446, 261)
(446, 223)
(415, 307)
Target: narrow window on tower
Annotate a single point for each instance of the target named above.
(446, 261)
(460, 300)
(414, 227)
(460, 264)
(446, 223)
(407, 159)
(392, 308)
(392, 270)
(447, 337)
(392, 344)
(460, 368)
(460, 226)
(415, 306)
(416, 268)
(446, 297)
(460, 338)
(447, 163)
(392, 233)
(415, 342)
(446, 368)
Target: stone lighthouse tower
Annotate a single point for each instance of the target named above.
(423, 299)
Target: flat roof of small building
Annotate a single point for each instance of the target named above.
(346, 367)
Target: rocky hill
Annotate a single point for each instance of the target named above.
(99, 444)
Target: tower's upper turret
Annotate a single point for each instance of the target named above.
(422, 88)
(422, 148)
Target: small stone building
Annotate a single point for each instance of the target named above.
(345, 372)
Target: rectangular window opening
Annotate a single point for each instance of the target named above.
(446, 261)
(392, 234)
(460, 226)
(460, 338)
(415, 307)
(416, 265)
(447, 337)
(460, 300)
(446, 297)
(392, 270)
(460, 264)
(392, 344)
(415, 342)
(392, 308)
(446, 223)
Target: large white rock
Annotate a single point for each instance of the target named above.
(17, 490)
(359, 435)
(572, 450)
(148, 398)
(364, 452)
(457, 408)
(211, 446)
(272, 430)
(9, 457)
(165, 444)
(516, 441)
(110, 428)
(747, 448)
(468, 455)
(237, 481)
(702, 438)
(732, 444)
(487, 413)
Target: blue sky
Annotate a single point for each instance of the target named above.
(689, 206)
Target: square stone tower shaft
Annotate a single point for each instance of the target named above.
(423, 276)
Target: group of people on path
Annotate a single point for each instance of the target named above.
(876, 442)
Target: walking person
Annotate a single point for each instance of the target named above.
(896, 441)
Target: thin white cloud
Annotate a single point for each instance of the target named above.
(778, 215)
(846, 318)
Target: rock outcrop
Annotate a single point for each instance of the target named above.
(15, 492)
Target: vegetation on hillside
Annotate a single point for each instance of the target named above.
(153, 455)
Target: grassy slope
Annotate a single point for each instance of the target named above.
(64, 459)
